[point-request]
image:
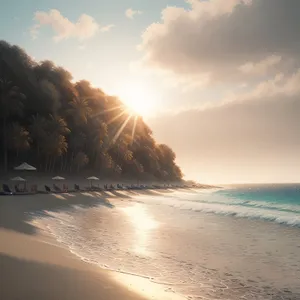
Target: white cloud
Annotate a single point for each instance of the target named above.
(85, 27)
(277, 87)
(107, 28)
(130, 13)
(232, 41)
(34, 31)
(260, 67)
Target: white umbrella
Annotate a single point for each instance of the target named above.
(92, 178)
(58, 178)
(25, 167)
(18, 178)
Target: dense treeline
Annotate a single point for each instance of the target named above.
(58, 125)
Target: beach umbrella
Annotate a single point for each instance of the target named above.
(18, 178)
(58, 178)
(92, 178)
(25, 167)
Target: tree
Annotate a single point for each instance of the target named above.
(58, 124)
(79, 110)
(38, 129)
(18, 138)
(66, 125)
(53, 147)
(10, 104)
(81, 160)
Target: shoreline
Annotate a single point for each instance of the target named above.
(42, 268)
(36, 184)
(26, 244)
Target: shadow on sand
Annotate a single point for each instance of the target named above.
(39, 280)
(16, 212)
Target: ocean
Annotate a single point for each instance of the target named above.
(238, 242)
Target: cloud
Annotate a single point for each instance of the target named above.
(229, 41)
(278, 86)
(82, 47)
(85, 27)
(34, 31)
(130, 13)
(261, 67)
(107, 28)
(255, 138)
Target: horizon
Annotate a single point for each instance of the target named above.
(228, 103)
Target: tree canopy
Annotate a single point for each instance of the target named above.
(56, 124)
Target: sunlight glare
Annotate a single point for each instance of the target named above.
(143, 223)
(138, 97)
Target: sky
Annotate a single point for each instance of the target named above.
(219, 81)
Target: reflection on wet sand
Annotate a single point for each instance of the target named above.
(143, 223)
(147, 288)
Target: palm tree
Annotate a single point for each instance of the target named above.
(18, 138)
(97, 140)
(58, 124)
(80, 110)
(54, 146)
(10, 104)
(107, 161)
(38, 130)
(74, 124)
(77, 141)
(128, 155)
(81, 160)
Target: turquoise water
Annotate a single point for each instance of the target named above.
(281, 194)
(283, 199)
(275, 203)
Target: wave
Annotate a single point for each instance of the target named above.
(282, 213)
(281, 217)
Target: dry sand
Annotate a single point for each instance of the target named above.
(33, 266)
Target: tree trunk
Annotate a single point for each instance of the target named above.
(47, 161)
(5, 144)
(62, 163)
(72, 160)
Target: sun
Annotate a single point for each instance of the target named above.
(139, 98)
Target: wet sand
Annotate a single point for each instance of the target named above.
(34, 266)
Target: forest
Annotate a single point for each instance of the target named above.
(59, 125)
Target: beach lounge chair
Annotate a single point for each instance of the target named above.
(65, 188)
(47, 188)
(120, 187)
(33, 188)
(6, 189)
(56, 188)
(17, 189)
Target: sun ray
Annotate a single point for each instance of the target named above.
(133, 128)
(108, 110)
(116, 117)
(121, 129)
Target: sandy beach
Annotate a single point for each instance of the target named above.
(34, 266)
(147, 244)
